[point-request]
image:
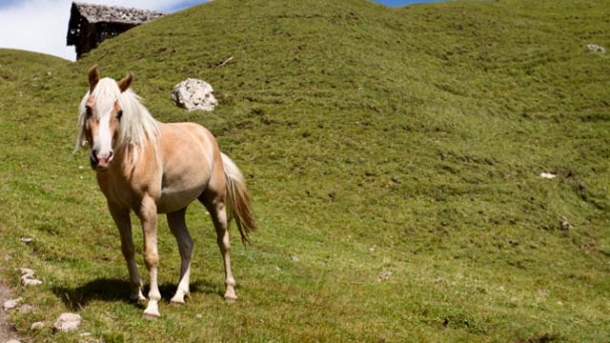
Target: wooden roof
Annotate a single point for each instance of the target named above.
(115, 14)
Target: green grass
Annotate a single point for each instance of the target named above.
(405, 142)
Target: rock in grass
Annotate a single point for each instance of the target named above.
(37, 326)
(27, 278)
(194, 94)
(67, 322)
(25, 308)
(11, 304)
(548, 175)
(31, 282)
(596, 48)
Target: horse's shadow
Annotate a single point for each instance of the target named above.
(117, 290)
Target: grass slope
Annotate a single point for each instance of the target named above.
(394, 159)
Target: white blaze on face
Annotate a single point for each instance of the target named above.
(101, 117)
(102, 140)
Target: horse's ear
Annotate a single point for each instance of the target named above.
(94, 77)
(125, 82)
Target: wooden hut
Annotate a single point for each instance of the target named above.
(91, 24)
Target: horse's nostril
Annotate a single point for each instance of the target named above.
(93, 160)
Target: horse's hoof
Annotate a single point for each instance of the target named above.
(151, 311)
(137, 300)
(177, 301)
(137, 297)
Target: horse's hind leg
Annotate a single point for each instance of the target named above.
(177, 225)
(215, 205)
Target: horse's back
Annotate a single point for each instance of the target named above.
(187, 140)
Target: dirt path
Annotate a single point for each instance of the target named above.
(6, 330)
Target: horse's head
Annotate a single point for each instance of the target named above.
(100, 117)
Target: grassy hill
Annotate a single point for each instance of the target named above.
(394, 156)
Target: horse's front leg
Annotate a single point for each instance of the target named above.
(148, 216)
(123, 223)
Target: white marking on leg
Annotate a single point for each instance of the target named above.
(183, 287)
(152, 310)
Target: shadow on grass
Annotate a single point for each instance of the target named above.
(98, 289)
(112, 290)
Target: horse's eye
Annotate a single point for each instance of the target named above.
(88, 111)
(119, 114)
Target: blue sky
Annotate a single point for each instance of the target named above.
(394, 3)
(183, 5)
(391, 3)
(21, 20)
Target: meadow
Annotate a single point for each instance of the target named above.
(394, 156)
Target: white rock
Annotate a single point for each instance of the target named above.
(596, 48)
(11, 304)
(27, 279)
(27, 272)
(548, 175)
(67, 322)
(194, 94)
(36, 326)
(13, 341)
(30, 282)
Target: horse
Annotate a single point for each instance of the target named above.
(150, 168)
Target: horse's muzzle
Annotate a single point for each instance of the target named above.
(100, 162)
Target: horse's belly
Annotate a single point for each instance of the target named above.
(176, 199)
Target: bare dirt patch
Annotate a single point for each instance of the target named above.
(7, 332)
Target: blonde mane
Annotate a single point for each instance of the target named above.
(137, 125)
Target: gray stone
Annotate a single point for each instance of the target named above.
(27, 279)
(37, 326)
(67, 322)
(194, 94)
(11, 304)
(596, 48)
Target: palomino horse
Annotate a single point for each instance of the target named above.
(152, 167)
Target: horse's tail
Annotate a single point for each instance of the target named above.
(238, 200)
